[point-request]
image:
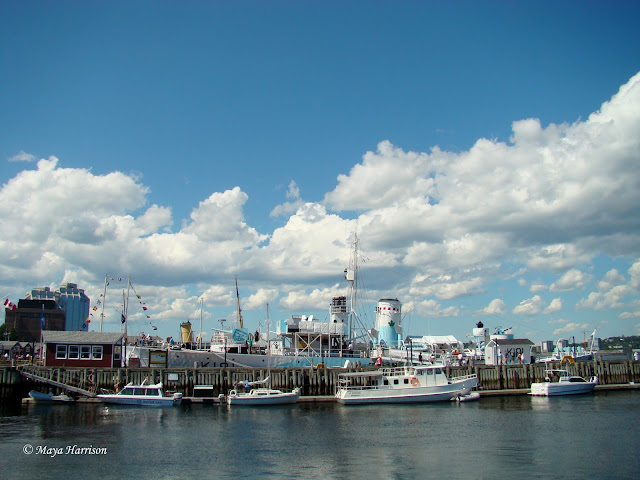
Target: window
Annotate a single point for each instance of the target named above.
(61, 352)
(153, 391)
(85, 352)
(406, 381)
(116, 353)
(96, 352)
(74, 352)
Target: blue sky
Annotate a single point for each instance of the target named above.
(184, 143)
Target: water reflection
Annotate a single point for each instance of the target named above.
(520, 435)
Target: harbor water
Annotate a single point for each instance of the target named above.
(515, 437)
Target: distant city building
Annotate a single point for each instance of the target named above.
(546, 346)
(27, 318)
(71, 299)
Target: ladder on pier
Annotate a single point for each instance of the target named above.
(32, 373)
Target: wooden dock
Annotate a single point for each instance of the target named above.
(315, 383)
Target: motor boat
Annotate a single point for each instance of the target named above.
(40, 397)
(560, 382)
(150, 395)
(406, 384)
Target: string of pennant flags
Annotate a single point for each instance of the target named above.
(123, 318)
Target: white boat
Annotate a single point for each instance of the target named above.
(262, 395)
(148, 395)
(407, 384)
(560, 382)
(40, 397)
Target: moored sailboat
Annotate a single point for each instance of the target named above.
(257, 396)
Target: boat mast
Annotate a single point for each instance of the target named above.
(200, 336)
(240, 322)
(268, 351)
(125, 314)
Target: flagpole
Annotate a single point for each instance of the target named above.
(42, 356)
(104, 299)
(126, 313)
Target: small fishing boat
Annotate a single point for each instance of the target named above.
(148, 395)
(560, 382)
(40, 397)
(407, 384)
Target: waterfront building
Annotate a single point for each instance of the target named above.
(28, 318)
(82, 349)
(507, 351)
(71, 299)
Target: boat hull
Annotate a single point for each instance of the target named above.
(544, 389)
(264, 397)
(428, 394)
(40, 397)
(142, 402)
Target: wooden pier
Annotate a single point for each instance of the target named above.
(318, 382)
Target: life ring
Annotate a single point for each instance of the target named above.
(414, 382)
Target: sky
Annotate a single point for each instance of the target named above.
(486, 155)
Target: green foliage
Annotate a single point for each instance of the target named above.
(12, 333)
(618, 343)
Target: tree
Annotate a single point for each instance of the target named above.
(11, 333)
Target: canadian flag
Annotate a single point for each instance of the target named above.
(11, 306)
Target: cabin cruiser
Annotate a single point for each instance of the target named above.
(406, 384)
(144, 395)
(560, 382)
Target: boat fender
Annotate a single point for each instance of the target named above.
(414, 381)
